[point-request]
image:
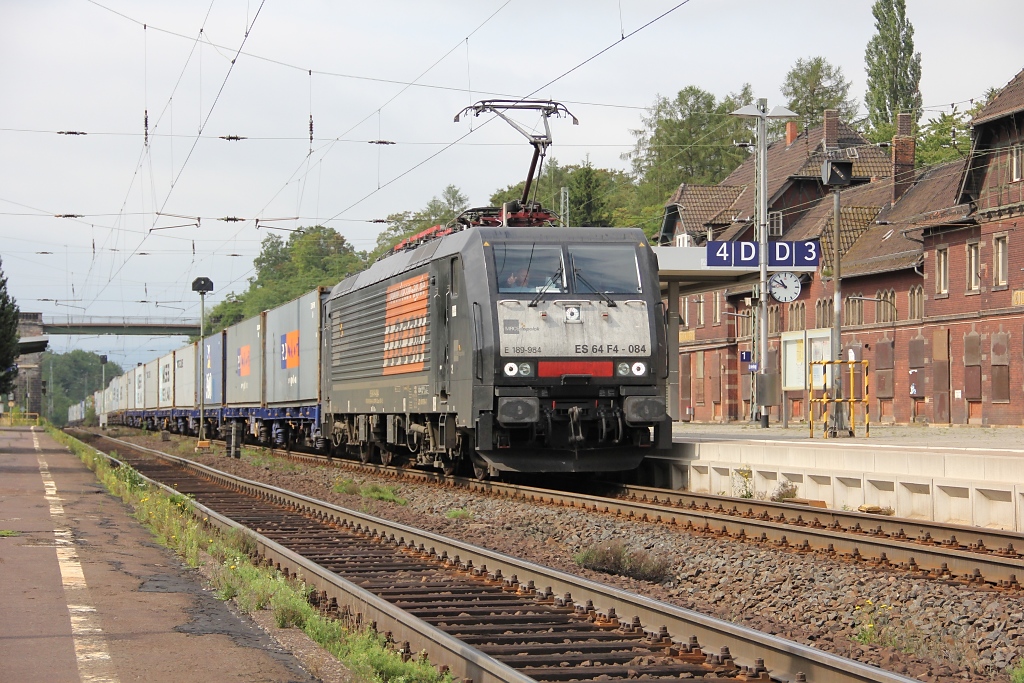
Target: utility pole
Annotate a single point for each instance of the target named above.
(759, 111)
(837, 174)
(202, 285)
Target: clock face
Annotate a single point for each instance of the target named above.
(784, 286)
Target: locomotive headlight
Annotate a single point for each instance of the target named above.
(511, 369)
(525, 370)
(639, 369)
(622, 369)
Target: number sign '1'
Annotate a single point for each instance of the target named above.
(780, 254)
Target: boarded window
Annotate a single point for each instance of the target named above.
(698, 380)
(916, 352)
(972, 349)
(884, 354)
(972, 382)
(1001, 383)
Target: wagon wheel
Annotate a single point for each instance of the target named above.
(387, 456)
(366, 449)
(449, 466)
(480, 469)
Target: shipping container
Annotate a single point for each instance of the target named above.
(124, 391)
(166, 398)
(212, 380)
(132, 391)
(150, 385)
(243, 356)
(292, 351)
(185, 377)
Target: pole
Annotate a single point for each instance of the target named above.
(762, 238)
(839, 427)
(202, 366)
(103, 391)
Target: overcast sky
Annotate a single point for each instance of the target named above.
(93, 67)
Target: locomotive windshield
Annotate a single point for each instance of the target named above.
(529, 268)
(604, 269)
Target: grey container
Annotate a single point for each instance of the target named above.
(243, 358)
(185, 377)
(292, 351)
(130, 377)
(151, 375)
(166, 382)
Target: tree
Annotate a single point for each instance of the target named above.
(76, 375)
(587, 198)
(944, 138)
(312, 257)
(893, 68)
(438, 211)
(8, 336)
(688, 140)
(814, 85)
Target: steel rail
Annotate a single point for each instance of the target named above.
(920, 547)
(784, 659)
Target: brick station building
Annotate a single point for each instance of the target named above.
(936, 245)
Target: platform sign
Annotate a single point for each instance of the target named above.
(752, 367)
(781, 255)
(732, 254)
(744, 356)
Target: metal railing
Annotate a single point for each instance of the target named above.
(828, 399)
(19, 419)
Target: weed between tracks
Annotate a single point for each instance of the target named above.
(374, 491)
(9, 533)
(254, 588)
(617, 558)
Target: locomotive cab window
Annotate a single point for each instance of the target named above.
(604, 269)
(529, 268)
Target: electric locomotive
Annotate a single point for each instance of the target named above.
(503, 340)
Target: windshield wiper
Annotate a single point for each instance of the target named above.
(551, 280)
(579, 276)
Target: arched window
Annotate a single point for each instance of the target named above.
(916, 300)
(853, 310)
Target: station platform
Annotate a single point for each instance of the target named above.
(961, 475)
(87, 595)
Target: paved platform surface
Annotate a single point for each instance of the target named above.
(86, 595)
(971, 438)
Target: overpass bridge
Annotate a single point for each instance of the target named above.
(124, 325)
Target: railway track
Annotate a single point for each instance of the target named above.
(980, 557)
(484, 615)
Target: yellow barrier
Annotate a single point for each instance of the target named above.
(19, 420)
(827, 399)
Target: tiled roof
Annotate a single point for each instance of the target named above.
(819, 217)
(1009, 100)
(803, 158)
(855, 222)
(885, 245)
(697, 204)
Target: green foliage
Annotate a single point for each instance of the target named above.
(944, 138)
(438, 211)
(76, 375)
(8, 336)
(814, 85)
(385, 493)
(346, 486)
(617, 558)
(9, 533)
(893, 68)
(312, 257)
(1017, 672)
(688, 139)
(459, 513)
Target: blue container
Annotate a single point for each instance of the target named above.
(212, 370)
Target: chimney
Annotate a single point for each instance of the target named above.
(791, 132)
(903, 152)
(831, 139)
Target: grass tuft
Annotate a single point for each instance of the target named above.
(9, 533)
(346, 486)
(617, 558)
(459, 513)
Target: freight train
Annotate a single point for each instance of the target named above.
(499, 342)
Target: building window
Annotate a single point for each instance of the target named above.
(716, 310)
(942, 271)
(684, 319)
(853, 310)
(823, 313)
(700, 310)
(797, 316)
(746, 323)
(774, 319)
(1016, 163)
(916, 300)
(1001, 260)
(973, 267)
(885, 307)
